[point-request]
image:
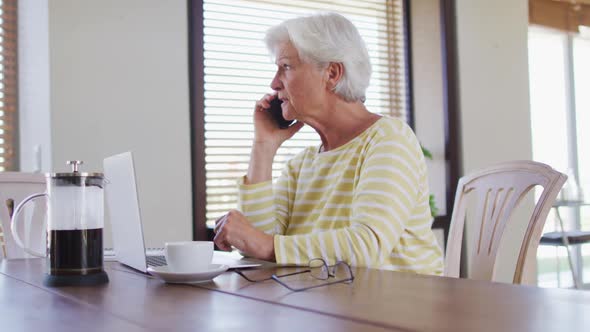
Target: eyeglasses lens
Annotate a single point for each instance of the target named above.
(318, 269)
(340, 271)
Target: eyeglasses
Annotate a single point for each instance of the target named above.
(317, 268)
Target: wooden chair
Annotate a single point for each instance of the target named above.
(499, 189)
(14, 187)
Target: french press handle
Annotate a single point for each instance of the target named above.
(14, 219)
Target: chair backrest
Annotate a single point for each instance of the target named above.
(499, 189)
(15, 187)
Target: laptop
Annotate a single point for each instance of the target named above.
(127, 230)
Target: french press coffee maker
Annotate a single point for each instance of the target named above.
(75, 222)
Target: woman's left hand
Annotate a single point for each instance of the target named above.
(233, 229)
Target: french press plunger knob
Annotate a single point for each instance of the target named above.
(75, 164)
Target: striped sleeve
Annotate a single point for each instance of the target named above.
(264, 206)
(387, 191)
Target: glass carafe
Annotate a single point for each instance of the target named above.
(75, 222)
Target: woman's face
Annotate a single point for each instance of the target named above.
(299, 85)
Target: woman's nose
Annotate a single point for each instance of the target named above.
(276, 84)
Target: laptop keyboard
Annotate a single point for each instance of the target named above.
(156, 260)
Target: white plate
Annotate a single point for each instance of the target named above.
(168, 276)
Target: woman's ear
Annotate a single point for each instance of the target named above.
(334, 73)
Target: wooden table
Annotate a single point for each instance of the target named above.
(376, 301)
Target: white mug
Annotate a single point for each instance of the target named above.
(189, 256)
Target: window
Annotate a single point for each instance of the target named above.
(238, 71)
(559, 64)
(8, 84)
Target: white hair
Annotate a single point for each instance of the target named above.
(324, 38)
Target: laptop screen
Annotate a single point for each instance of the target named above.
(122, 205)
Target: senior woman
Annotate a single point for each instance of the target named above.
(362, 195)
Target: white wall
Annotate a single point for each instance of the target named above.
(119, 81)
(494, 93)
(33, 87)
(428, 90)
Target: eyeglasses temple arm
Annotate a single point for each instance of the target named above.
(291, 274)
(275, 278)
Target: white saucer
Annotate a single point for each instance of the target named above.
(168, 276)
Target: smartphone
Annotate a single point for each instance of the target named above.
(277, 114)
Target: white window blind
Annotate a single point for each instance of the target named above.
(238, 71)
(8, 84)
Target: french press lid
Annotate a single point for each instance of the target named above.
(76, 177)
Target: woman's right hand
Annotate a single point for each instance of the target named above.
(268, 137)
(266, 131)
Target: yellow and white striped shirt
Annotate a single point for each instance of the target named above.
(365, 202)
